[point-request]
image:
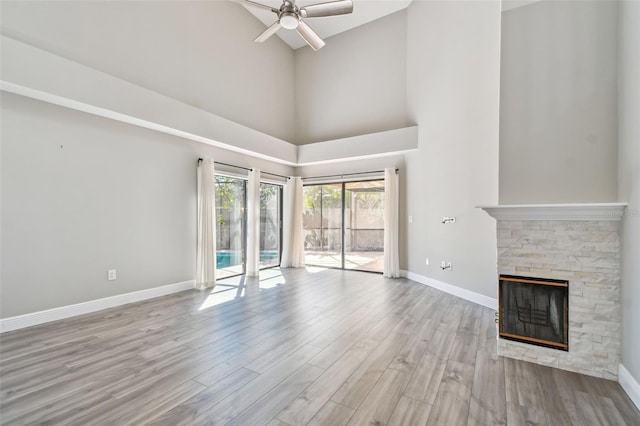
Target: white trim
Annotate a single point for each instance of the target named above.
(590, 211)
(39, 95)
(514, 4)
(120, 100)
(348, 158)
(462, 293)
(340, 178)
(372, 145)
(27, 92)
(629, 384)
(54, 314)
(245, 177)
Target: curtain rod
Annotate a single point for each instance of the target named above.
(246, 168)
(346, 174)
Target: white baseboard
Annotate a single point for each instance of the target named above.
(35, 318)
(629, 384)
(469, 295)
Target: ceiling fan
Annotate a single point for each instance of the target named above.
(290, 17)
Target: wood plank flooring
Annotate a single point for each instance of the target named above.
(295, 347)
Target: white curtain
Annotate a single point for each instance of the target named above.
(206, 250)
(292, 232)
(391, 201)
(253, 223)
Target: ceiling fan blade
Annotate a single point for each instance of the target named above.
(309, 36)
(268, 32)
(341, 7)
(263, 6)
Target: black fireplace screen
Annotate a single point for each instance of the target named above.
(534, 310)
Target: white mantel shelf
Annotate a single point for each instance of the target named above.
(591, 211)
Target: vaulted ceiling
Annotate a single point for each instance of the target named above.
(364, 11)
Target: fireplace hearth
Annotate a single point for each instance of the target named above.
(534, 310)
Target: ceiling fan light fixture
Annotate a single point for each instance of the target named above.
(289, 21)
(289, 17)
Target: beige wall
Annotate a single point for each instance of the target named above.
(118, 196)
(452, 86)
(629, 188)
(558, 119)
(354, 85)
(198, 52)
(437, 65)
(83, 194)
(452, 94)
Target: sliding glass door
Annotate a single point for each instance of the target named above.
(230, 226)
(231, 219)
(344, 225)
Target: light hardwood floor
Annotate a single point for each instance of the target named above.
(318, 347)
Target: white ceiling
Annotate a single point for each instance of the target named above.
(363, 11)
(513, 4)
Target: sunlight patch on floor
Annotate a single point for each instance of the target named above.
(314, 269)
(270, 278)
(361, 260)
(231, 288)
(222, 293)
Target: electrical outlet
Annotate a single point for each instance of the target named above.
(111, 274)
(410, 219)
(444, 265)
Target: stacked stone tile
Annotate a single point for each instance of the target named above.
(587, 254)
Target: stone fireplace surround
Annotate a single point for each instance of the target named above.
(579, 243)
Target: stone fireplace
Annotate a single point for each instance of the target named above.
(576, 244)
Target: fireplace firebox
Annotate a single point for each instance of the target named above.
(534, 310)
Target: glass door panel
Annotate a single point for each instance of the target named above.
(270, 219)
(332, 224)
(364, 225)
(312, 222)
(323, 225)
(230, 226)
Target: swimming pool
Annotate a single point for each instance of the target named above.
(225, 259)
